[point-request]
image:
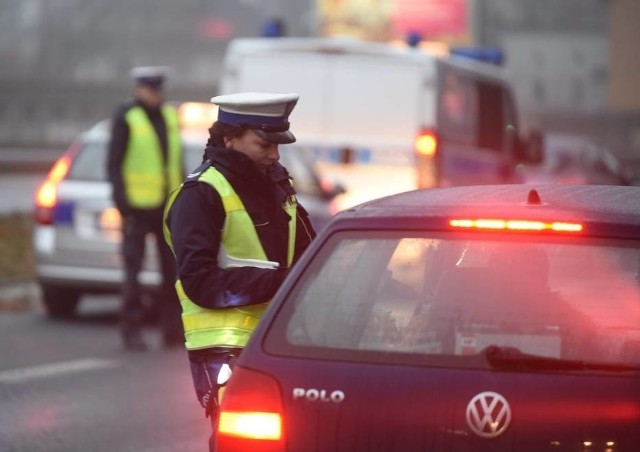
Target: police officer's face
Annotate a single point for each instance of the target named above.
(151, 97)
(262, 152)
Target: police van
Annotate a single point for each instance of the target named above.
(384, 119)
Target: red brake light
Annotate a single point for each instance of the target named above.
(46, 196)
(515, 225)
(251, 414)
(426, 143)
(60, 169)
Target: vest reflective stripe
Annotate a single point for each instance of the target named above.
(174, 145)
(206, 328)
(292, 211)
(147, 179)
(240, 246)
(232, 202)
(246, 245)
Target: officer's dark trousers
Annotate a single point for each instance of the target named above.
(135, 229)
(205, 366)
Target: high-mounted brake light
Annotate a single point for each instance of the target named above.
(47, 194)
(251, 414)
(515, 225)
(426, 143)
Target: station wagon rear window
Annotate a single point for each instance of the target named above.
(90, 162)
(447, 298)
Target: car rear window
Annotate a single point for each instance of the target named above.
(394, 296)
(90, 162)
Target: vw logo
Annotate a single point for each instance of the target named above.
(488, 414)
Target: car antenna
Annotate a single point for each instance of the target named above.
(533, 197)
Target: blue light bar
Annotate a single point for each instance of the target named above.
(487, 54)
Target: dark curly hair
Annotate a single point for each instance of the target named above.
(219, 130)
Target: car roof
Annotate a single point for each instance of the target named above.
(589, 203)
(98, 131)
(339, 45)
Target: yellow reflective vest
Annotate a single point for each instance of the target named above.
(239, 246)
(147, 179)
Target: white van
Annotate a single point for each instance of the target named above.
(384, 119)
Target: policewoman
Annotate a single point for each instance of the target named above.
(236, 229)
(144, 165)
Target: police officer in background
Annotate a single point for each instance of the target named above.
(236, 229)
(144, 166)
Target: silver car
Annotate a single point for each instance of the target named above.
(76, 236)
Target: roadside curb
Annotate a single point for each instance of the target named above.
(21, 296)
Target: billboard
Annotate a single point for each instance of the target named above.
(381, 20)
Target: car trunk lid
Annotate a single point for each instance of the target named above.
(339, 406)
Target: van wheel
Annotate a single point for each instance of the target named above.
(59, 302)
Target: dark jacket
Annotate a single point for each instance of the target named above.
(196, 219)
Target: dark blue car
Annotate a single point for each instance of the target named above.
(488, 318)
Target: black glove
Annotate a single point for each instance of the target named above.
(210, 401)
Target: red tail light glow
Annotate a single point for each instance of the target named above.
(252, 425)
(515, 225)
(251, 414)
(426, 143)
(46, 196)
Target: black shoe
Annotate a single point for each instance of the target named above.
(134, 342)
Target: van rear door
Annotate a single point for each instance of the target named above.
(290, 72)
(476, 128)
(356, 107)
(346, 99)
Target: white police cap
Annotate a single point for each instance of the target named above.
(152, 76)
(267, 114)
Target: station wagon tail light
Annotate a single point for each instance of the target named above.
(251, 414)
(514, 225)
(426, 143)
(47, 193)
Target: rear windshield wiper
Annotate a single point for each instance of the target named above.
(511, 358)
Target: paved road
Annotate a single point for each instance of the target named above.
(68, 386)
